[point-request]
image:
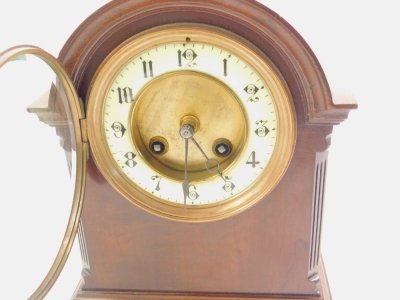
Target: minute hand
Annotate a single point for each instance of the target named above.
(186, 131)
(185, 183)
(208, 160)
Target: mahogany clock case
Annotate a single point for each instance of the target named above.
(271, 249)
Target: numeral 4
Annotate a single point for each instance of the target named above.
(252, 160)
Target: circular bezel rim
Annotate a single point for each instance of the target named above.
(223, 39)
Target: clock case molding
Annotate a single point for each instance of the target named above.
(269, 251)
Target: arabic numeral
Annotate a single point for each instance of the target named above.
(150, 65)
(228, 186)
(262, 130)
(252, 90)
(119, 129)
(189, 55)
(225, 67)
(252, 160)
(130, 156)
(125, 95)
(179, 58)
(158, 179)
(193, 195)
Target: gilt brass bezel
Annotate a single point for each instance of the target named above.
(179, 33)
(81, 152)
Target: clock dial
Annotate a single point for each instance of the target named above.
(183, 86)
(234, 101)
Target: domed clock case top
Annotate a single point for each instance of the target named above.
(208, 126)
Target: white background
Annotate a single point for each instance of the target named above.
(357, 43)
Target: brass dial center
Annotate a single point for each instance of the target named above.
(192, 121)
(202, 101)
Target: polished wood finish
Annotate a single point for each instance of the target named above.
(50, 108)
(119, 20)
(108, 295)
(262, 252)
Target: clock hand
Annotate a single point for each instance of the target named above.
(186, 131)
(209, 160)
(185, 183)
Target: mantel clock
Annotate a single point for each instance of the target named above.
(201, 131)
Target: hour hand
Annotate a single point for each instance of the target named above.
(186, 131)
(209, 161)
